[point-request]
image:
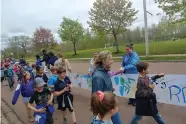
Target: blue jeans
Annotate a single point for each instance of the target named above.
(157, 117)
(116, 119)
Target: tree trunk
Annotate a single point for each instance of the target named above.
(116, 43)
(74, 44)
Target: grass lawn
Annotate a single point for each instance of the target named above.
(156, 48)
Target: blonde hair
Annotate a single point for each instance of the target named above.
(103, 55)
(60, 55)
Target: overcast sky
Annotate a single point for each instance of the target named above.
(24, 16)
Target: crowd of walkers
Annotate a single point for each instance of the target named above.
(45, 88)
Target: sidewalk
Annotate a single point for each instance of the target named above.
(8, 116)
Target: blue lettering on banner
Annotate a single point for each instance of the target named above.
(176, 94)
(180, 90)
(184, 95)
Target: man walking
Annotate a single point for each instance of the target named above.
(101, 80)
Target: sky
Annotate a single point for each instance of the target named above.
(22, 17)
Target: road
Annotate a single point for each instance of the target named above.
(172, 114)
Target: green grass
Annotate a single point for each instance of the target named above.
(155, 59)
(156, 48)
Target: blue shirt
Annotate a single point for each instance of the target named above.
(44, 77)
(52, 80)
(129, 63)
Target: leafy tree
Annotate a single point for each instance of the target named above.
(43, 38)
(23, 41)
(112, 16)
(175, 9)
(71, 31)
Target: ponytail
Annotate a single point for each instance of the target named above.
(102, 103)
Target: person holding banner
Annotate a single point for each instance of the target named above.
(101, 80)
(146, 102)
(128, 65)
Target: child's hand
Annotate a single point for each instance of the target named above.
(70, 86)
(50, 102)
(152, 86)
(161, 74)
(41, 110)
(66, 89)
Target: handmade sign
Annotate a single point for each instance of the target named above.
(171, 89)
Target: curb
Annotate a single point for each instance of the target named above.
(9, 114)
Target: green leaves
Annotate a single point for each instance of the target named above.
(111, 16)
(175, 9)
(71, 31)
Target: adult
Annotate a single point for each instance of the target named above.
(128, 65)
(45, 59)
(91, 69)
(52, 59)
(22, 61)
(64, 63)
(101, 80)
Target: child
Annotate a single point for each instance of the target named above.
(104, 106)
(29, 69)
(27, 90)
(41, 74)
(64, 97)
(53, 76)
(10, 76)
(43, 99)
(17, 71)
(38, 61)
(34, 70)
(146, 103)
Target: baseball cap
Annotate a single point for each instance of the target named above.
(39, 82)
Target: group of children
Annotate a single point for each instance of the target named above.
(36, 87)
(45, 90)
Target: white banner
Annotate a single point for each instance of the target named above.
(171, 89)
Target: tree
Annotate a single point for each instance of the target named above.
(175, 9)
(112, 16)
(43, 38)
(71, 31)
(22, 41)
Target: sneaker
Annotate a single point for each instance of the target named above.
(64, 121)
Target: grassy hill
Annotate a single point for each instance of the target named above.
(156, 48)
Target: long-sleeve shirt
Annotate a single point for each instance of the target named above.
(129, 63)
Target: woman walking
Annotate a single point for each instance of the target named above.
(128, 65)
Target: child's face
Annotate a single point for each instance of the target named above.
(39, 89)
(62, 75)
(27, 77)
(40, 71)
(54, 72)
(146, 71)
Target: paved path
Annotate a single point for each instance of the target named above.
(171, 114)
